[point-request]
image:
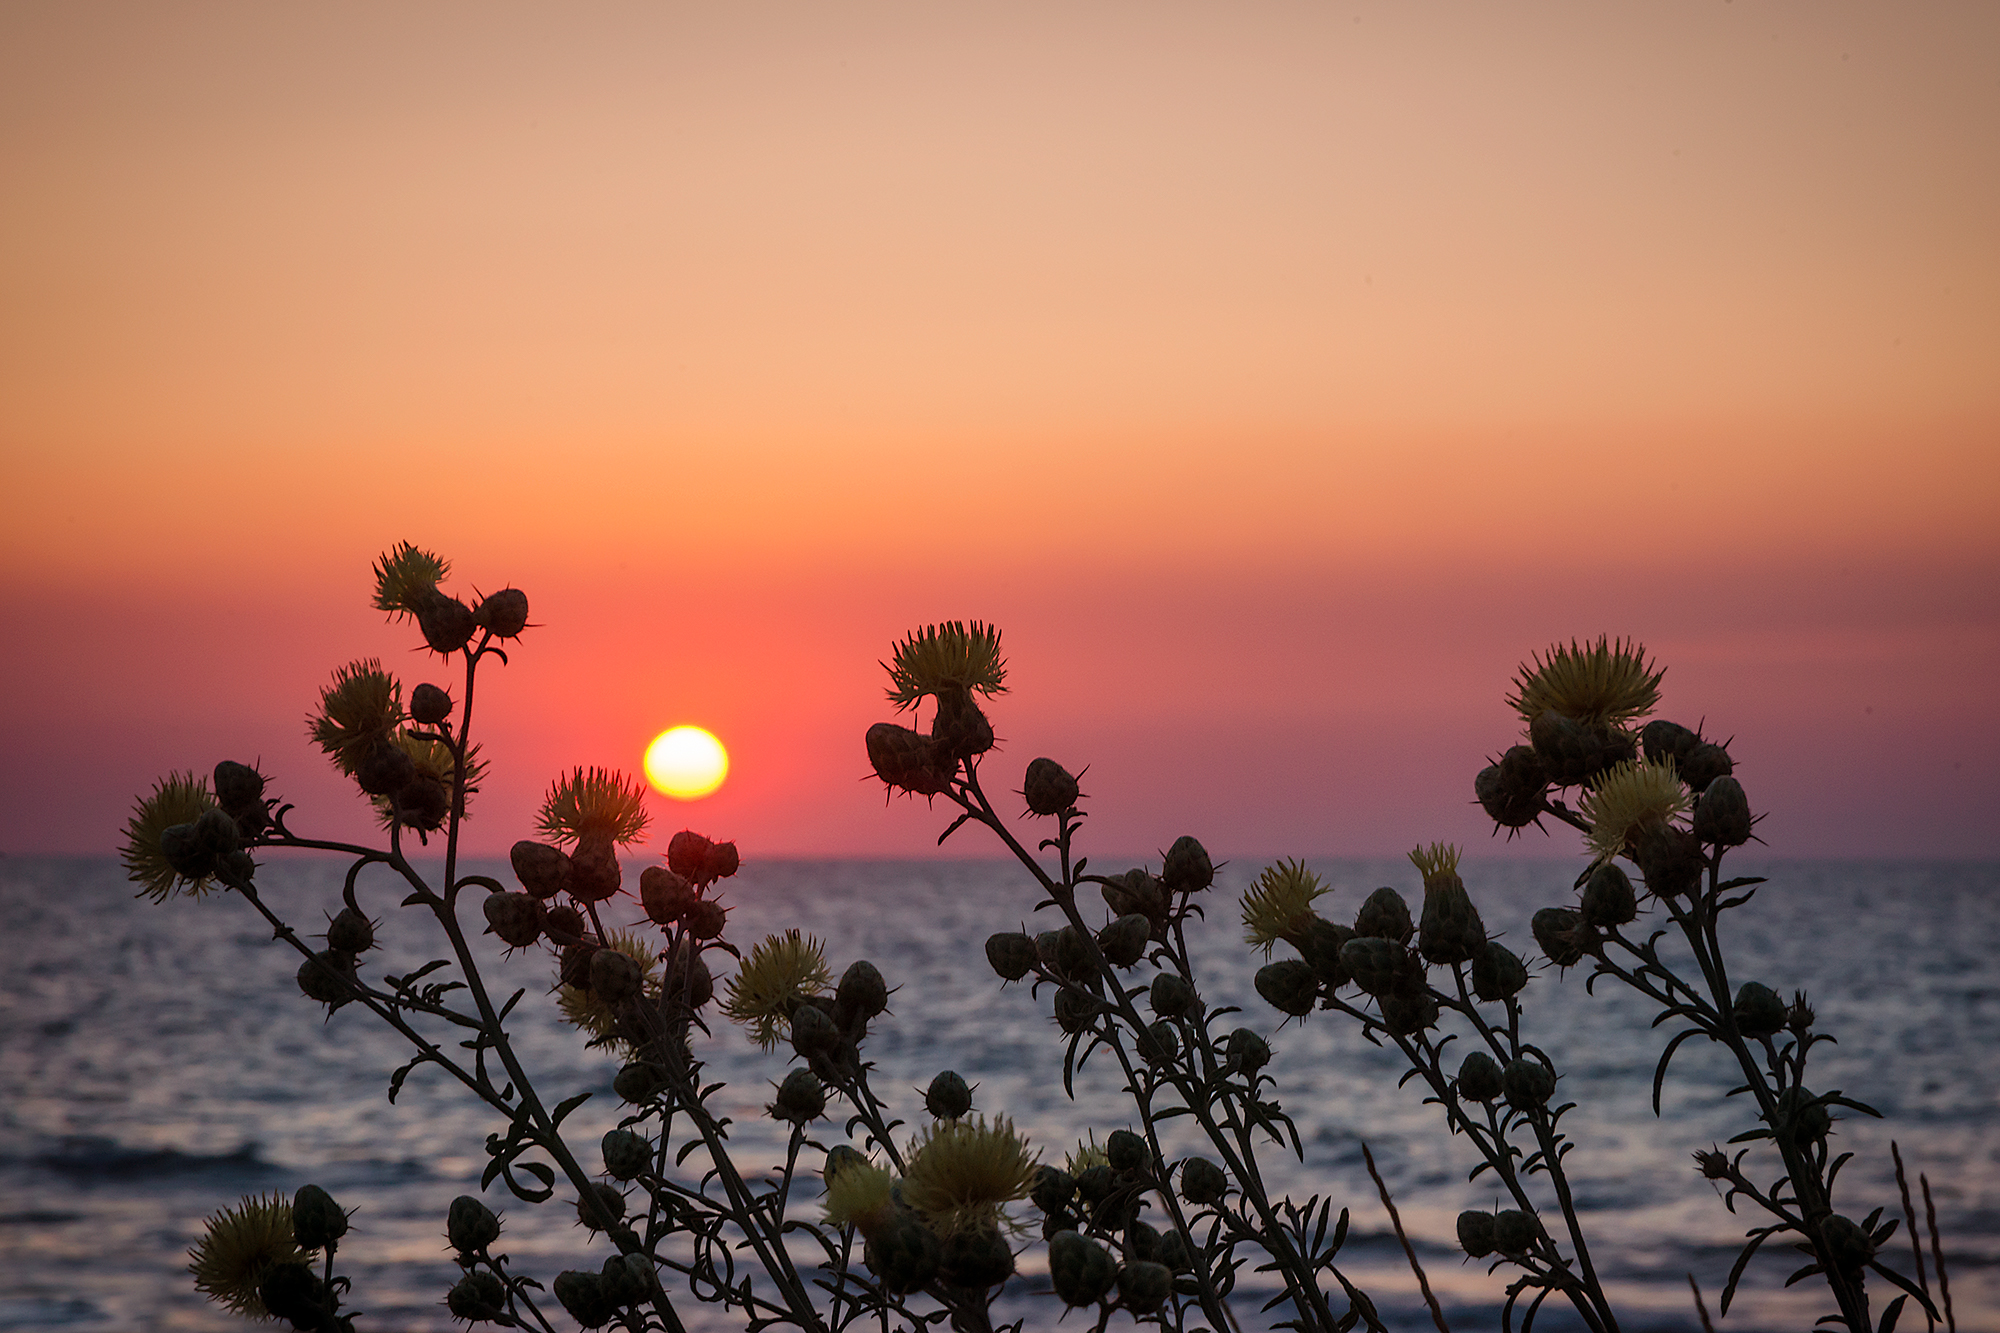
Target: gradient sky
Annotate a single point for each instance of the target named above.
(1278, 375)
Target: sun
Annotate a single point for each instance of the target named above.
(687, 763)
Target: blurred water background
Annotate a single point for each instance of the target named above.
(158, 1062)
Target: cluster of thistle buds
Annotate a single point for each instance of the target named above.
(214, 842)
(1100, 1249)
(255, 1259)
(948, 663)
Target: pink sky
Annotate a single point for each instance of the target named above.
(1278, 378)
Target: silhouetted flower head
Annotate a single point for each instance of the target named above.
(238, 1247)
(1279, 906)
(594, 801)
(363, 703)
(178, 798)
(1603, 684)
(780, 972)
(403, 578)
(1629, 797)
(962, 1171)
(947, 656)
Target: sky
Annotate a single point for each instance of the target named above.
(1279, 377)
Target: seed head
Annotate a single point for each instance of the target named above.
(178, 798)
(1602, 684)
(1279, 905)
(943, 656)
(781, 971)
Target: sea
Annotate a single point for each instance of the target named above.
(157, 1063)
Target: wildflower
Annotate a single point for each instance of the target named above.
(1087, 1155)
(780, 972)
(962, 1170)
(1634, 795)
(435, 767)
(404, 577)
(860, 1194)
(1450, 930)
(1279, 905)
(363, 704)
(594, 801)
(947, 656)
(178, 798)
(1600, 685)
(239, 1246)
(585, 1008)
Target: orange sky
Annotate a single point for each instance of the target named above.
(1279, 376)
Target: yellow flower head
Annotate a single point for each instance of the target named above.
(1279, 906)
(582, 1008)
(178, 798)
(1087, 1155)
(961, 1171)
(1607, 683)
(433, 759)
(594, 800)
(403, 576)
(779, 973)
(946, 656)
(363, 702)
(240, 1245)
(1437, 863)
(862, 1195)
(1629, 797)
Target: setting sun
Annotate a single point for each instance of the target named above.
(687, 763)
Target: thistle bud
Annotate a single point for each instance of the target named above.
(1187, 868)
(615, 977)
(1075, 1009)
(1011, 953)
(975, 1257)
(1475, 1233)
(505, 613)
(1142, 1242)
(184, 851)
(1127, 1151)
(1384, 916)
(1479, 1079)
(429, 705)
(1376, 964)
(1528, 1084)
(1515, 1232)
(600, 1207)
(317, 1221)
(1713, 1164)
(564, 924)
(327, 977)
(1802, 1117)
(470, 1226)
(814, 1031)
(1451, 931)
(1703, 764)
(665, 895)
(626, 1279)
(1323, 942)
(477, 1297)
(948, 1097)
(1158, 1043)
(594, 872)
(383, 767)
(839, 1159)
(1143, 1287)
(903, 1254)
(639, 1082)
(217, 832)
(706, 919)
(722, 861)
(687, 980)
(1497, 973)
(1051, 1189)
(1048, 787)
(1758, 1011)
(446, 622)
(801, 1097)
(1080, 1269)
(1124, 941)
(1202, 1181)
(1136, 891)
(1173, 1252)
(627, 1155)
(1847, 1245)
(1572, 752)
(1559, 932)
(1097, 1184)
(1245, 1052)
(290, 1291)
(350, 932)
(861, 995)
(543, 870)
(908, 760)
(1668, 740)
(1511, 790)
(574, 965)
(1722, 814)
(1670, 858)
(1289, 986)
(1172, 997)
(960, 729)
(1608, 897)
(237, 786)
(421, 803)
(1405, 1014)
(687, 856)
(1065, 952)
(582, 1294)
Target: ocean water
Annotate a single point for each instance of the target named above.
(157, 1063)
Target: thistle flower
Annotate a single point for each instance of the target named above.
(594, 800)
(946, 656)
(780, 972)
(860, 1194)
(363, 702)
(241, 1245)
(1088, 1154)
(178, 798)
(434, 762)
(583, 1009)
(1450, 930)
(403, 576)
(1279, 905)
(1631, 796)
(1603, 684)
(961, 1171)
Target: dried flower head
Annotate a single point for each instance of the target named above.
(946, 656)
(1279, 906)
(781, 971)
(583, 1009)
(1603, 684)
(1629, 797)
(1437, 862)
(363, 702)
(238, 1247)
(178, 798)
(961, 1171)
(860, 1194)
(594, 800)
(403, 576)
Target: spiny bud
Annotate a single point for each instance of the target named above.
(327, 976)
(665, 895)
(813, 1031)
(1065, 952)
(1511, 790)
(383, 767)
(1245, 1052)
(861, 995)
(1847, 1245)
(184, 851)
(1158, 1043)
(543, 870)
(1608, 897)
(1051, 1189)
(1475, 1233)
(801, 1097)
(1527, 1083)
(706, 919)
(1011, 953)
(639, 1082)
(1405, 1014)
(1289, 986)
(1713, 1164)
(1703, 765)
(1669, 857)
(960, 728)
(1187, 868)
(600, 1206)
(505, 613)
(975, 1258)
(429, 705)
(1080, 1269)
(218, 832)
(1668, 740)
(476, 1297)
(1802, 1117)
(1376, 964)
(908, 760)
(594, 871)
(626, 1279)
(1479, 1079)
(1173, 1252)
(445, 621)
(1722, 814)
(903, 1254)
(614, 976)
(627, 1155)
(563, 923)
(1758, 1010)
(948, 1097)
(839, 1159)
(1451, 931)
(1124, 941)
(1559, 932)
(1497, 973)
(574, 966)
(1143, 1286)
(470, 1226)
(1323, 943)
(317, 1221)
(1075, 1009)
(1572, 752)
(1127, 1151)
(350, 932)
(237, 786)
(1202, 1181)
(1096, 1184)
(1515, 1232)
(290, 1291)
(1384, 916)
(1171, 996)
(582, 1294)
(1048, 788)
(1136, 891)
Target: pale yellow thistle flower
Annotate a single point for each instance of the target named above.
(946, 656)
(594, 800)
(238, 1247)
(1437, 862)
(178, 798)
(961, 1171)
(1279, 906)
(363, 702)
(1627, 798)
(582, 1008)
(1087, 1155)
(1607, 683)
(780, 972)
(863, 1196)
(404, 575)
